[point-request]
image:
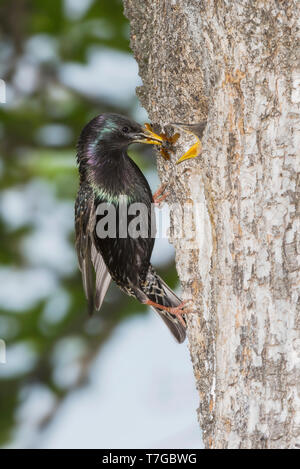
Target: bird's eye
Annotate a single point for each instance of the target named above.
(125, 130)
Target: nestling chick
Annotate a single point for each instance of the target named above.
(197, 130)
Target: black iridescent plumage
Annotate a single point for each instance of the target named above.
(108, 175)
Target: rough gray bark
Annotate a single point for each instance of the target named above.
(234, 63)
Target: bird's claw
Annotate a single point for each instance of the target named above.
(176, 311)
(181, 309)
(159, 196)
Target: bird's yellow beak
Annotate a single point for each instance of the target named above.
(147, 136)
(197, 131)
(192, 152)
(151, 137)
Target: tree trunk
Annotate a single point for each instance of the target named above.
(234, 64)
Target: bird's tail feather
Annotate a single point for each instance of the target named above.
(159, 292)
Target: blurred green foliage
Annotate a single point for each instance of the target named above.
(38, 174)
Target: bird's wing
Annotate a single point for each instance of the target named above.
(103, 277)
(88, 256)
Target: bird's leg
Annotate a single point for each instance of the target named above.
(159, 196)
(177, 311)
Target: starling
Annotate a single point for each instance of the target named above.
(197, 130)
(109, 178)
